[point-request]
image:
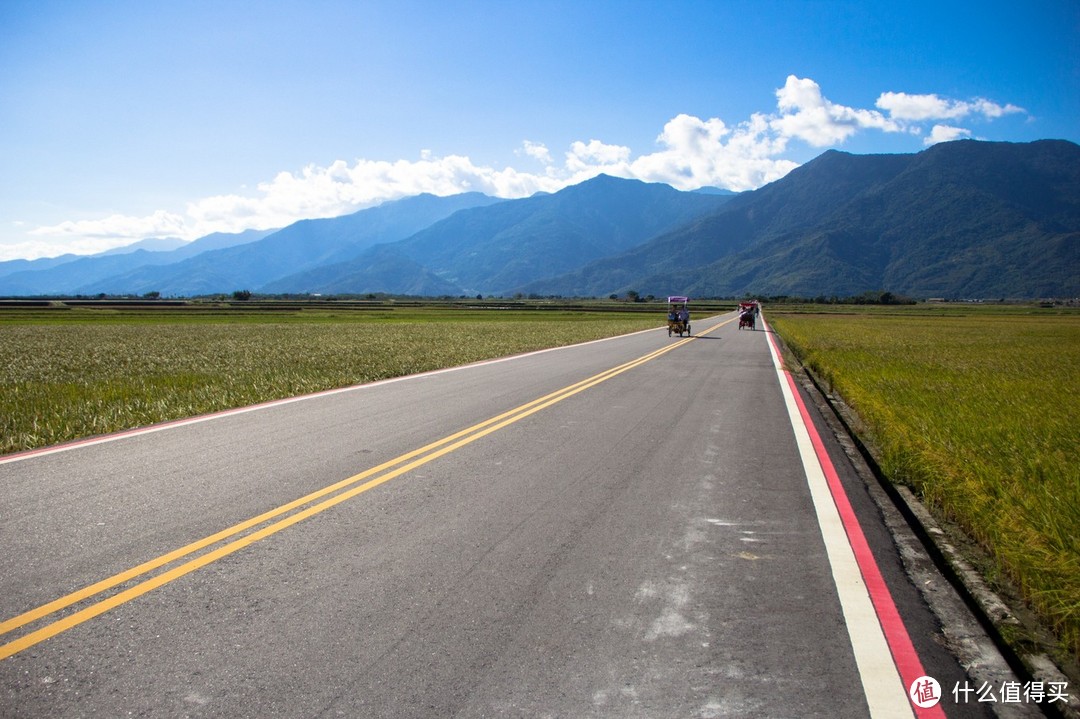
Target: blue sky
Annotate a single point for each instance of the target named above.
(125, 119)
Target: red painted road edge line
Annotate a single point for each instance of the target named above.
(904, 655)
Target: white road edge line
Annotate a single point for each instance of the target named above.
(882, 685)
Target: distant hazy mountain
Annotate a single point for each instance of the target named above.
(960, 219)
(300, 246)
(69, 274)
(489, 250)
(151, 244)
(10, 267)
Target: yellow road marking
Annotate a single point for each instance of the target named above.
(403, 464)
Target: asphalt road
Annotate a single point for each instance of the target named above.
(642, 542)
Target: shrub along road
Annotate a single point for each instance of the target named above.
(617, 529)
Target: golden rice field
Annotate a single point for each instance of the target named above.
(979, 412)
(71, 374)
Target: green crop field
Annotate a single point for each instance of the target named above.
(67, 373)
(978, 410)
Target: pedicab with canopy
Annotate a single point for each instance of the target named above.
(678, 319)
(748, 314)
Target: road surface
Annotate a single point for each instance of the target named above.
(636, 527)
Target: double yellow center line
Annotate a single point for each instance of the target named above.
(269, 523)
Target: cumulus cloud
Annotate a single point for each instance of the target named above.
(945, 133)
(159, 224)
(902, 106)
(690, 153)
(537, 151)
(54, 247)
(807, 115)
(698, 153)
(85, 237)
(593, 157)
(911, 110)
(317, 192)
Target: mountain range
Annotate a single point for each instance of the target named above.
(965, 219)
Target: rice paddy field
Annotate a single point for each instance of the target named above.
(73, 372)
(978, 410)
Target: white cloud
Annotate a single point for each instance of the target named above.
(87, 237)
(902, 106)
(53, 247)
(991, 110)
(945, 133)
(161, 223)
(691, 153)
(700, 152)
(537, 151)
(807, 115)
(592, 158)
(340, 188)
(913, 109)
